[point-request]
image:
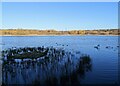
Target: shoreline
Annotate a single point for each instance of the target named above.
(21, 32)
(55, 35)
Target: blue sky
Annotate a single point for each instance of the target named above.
(60, 15)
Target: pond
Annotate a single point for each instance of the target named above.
(69, 60)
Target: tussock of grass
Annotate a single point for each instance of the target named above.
(32, 53)
(23, 53)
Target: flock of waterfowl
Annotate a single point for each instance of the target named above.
(107, 47)
(60, 44)
(96, 46)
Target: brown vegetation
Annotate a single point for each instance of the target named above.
(19, 32)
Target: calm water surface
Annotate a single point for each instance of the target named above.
(104, 60)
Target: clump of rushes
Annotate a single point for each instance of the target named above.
(30, 53)
(24, 53)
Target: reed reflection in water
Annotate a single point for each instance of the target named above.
(54, 67)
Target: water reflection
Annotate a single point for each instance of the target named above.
(56, 67)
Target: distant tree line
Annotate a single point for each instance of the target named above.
(54, 32)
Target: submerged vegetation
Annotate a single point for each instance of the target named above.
(44, 66)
